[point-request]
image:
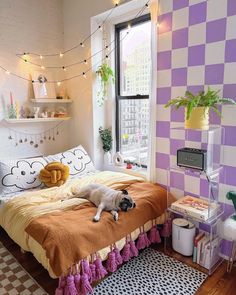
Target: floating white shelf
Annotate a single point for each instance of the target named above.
(38, 120)
(50, 100)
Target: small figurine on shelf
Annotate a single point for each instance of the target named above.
(17, 110)
(44, 114)
(36, 112)
(11, 112)
(11, 109)
(22, 113)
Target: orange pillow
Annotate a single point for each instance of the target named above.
(54, 174)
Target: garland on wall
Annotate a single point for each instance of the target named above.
(61, 54)
(34, 139)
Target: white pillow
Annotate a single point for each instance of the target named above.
(77, 159)
(20, 175)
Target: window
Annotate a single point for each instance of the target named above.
(133, 68)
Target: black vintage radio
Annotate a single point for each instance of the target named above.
(192, 158)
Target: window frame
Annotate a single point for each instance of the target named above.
(118, 28)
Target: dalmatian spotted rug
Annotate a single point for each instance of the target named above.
(14, 280)
(152, 273)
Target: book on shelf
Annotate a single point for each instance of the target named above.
(195, 244)
(196, 207)
(211, 253)
(206, 251)
(201, 254)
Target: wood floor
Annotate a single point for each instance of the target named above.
(220, 283)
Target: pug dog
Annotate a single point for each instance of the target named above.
(105, 198)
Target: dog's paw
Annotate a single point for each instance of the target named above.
(95, 219)
(116, 216)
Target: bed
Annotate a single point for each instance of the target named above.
(60, 233)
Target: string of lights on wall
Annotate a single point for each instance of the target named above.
(85, 60)
(34, 139)
(65, 67)
(80, 44)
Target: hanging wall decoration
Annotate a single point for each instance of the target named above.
(33, 139)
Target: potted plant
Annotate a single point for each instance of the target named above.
(105, 74)
(197, 107)
(106, 138)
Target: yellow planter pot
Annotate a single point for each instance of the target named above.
(199, 118)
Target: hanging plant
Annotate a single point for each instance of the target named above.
(105, 74)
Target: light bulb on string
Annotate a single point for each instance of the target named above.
(43, 67)
(61, 54)
(41, 57)
(82, 44)
(58, 83)
(7, 72)
(85, 62)
(100, 28)
(84, 75)
(64, 68)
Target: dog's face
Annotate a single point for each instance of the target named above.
(126, 202)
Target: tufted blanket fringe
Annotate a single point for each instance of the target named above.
(79, 282)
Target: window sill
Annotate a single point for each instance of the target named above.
(140, 172)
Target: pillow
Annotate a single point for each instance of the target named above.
(54, 174)
(20, 175)
(77, 159)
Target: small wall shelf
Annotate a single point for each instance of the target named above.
(37, 120)
(50, 100)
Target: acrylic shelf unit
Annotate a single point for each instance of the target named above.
(183, 181)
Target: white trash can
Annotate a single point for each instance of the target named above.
(183, 233)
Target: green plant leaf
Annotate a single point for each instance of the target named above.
(106, 138)
(214, 108)
(227, 100)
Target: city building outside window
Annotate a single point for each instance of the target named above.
(133, 68)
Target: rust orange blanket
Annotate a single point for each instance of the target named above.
(68, 236)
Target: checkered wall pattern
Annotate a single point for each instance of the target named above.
(196, 49)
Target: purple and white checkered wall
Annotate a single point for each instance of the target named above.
(196, 49)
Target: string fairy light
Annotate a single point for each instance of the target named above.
(107, 46)
(82, 43)
(64, 67)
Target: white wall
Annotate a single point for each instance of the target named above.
(80, 18)
(77, 26)
(51, 26)
(27, 25)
